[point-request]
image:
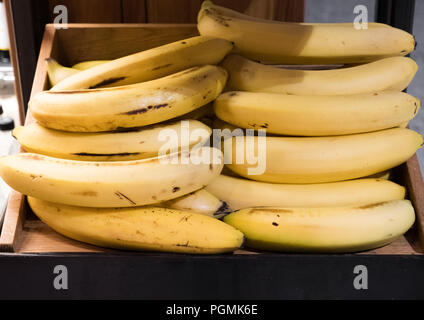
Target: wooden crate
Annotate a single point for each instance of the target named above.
(23, 232)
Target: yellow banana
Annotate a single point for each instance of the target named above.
(316, 115)
(389, 74)
(295, 43)
(57, 72)
(140, 228)
(110, 184)
(200, 201)
(140, 143)
(320, 159)
(95, 110)
(84, 65)
(241, 193)
(339, 229)
(150, 64)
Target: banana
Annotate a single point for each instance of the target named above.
(241, 193)
(96, 110)
(57, 72)
(319, 159)
(110, 184)
(338, 229)
(84, 65)
(296, 43)
(389, 74)
(141, 143)
(150, 64)
(316, 115)
(200, 201)
(140, 228)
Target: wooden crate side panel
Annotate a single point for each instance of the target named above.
(185, 11)
(415, 187)
(134, 11)
(89, 11)
(80, 43)
(170, 11)
(15, 213)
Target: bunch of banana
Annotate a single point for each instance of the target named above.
(102, 170)
(324, 126)
(119, 173)
(303, 43)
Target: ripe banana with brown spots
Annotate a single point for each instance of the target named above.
(96, 110)
(140, 143)
(303, 43)
(111, 184)
(150, 64)
(338, 229)
(389, 74)
(140, 228)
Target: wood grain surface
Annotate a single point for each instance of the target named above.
(171, 11)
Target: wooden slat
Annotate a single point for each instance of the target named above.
(111, 41)
(185, 11)
(37, 237)
(287, 10)
(89, 11)
(15, 214)
(134, 11)
(14, 60)
(415, 186)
